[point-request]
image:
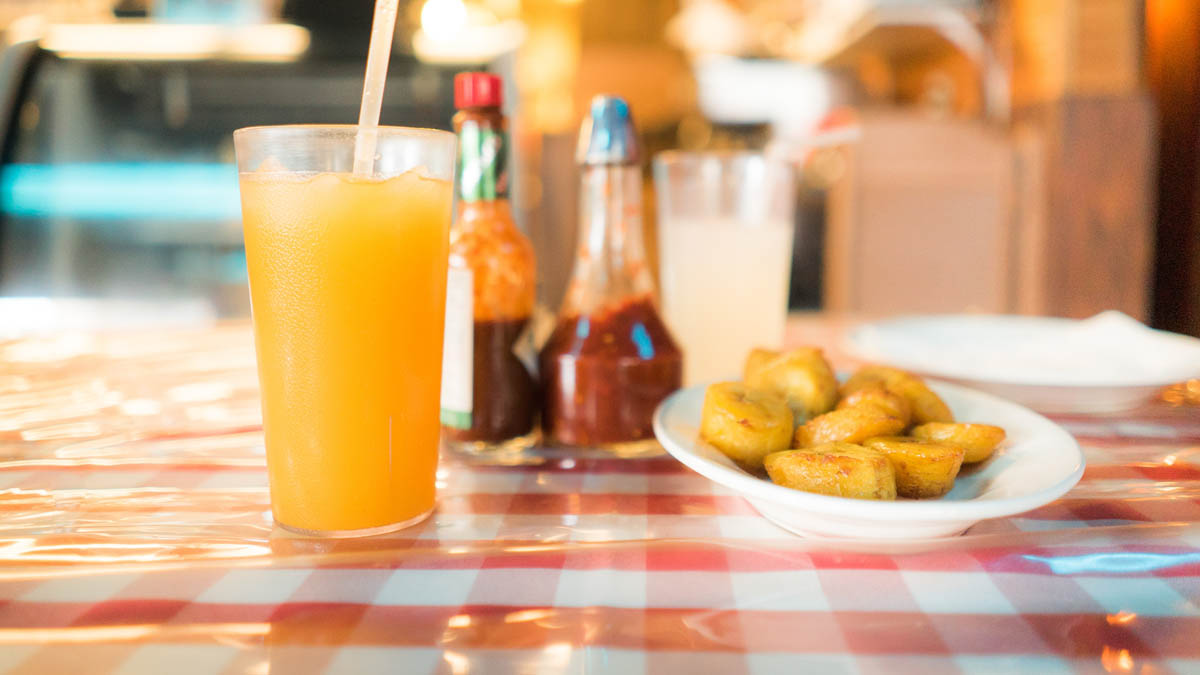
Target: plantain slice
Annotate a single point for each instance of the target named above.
(879, 395)
(868, 376)
(926, 405)
(923, 468)
(802, 376)
(838, 469)
(755, 360)
(979, 440)
(848, 425)
(745, 424)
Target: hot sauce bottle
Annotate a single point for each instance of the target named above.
(489, 396)
(610, 360)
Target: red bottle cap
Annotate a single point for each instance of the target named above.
(478, 90)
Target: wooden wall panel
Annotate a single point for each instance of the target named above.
(923, 220)
(1099, 157)
(1050, 217)
(1064, 48)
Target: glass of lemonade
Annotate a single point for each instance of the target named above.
(347, 288)
(725, 229)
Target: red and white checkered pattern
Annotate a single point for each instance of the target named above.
(137, 539)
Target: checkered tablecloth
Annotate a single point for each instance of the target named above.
(135, 537)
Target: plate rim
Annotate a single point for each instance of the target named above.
(855, 349)
(933, 510)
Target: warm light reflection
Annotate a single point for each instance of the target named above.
(141, 406)
(17, 636)
(567, 463)
(1121, 618)
(556, 655)
(1170, 460)
(547, 65)
(442, 19)
(528, 615)
(459, 663)
(70, 462)
(454, 31)
(1116, 660)
(200, 392)
(62, 431)
(178, 42)
(1184, 393)
(459, 621)
(458, 550)
(533, 548)
(131, 633)
(126, 552)
(591, 632)
(20, 549)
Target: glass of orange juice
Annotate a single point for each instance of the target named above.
(347, 288)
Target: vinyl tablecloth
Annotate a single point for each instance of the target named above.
(135, 537)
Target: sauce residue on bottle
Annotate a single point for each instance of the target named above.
(605, 373)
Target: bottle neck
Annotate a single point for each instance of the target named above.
(484, 214)
(610, 263)
(482, 155)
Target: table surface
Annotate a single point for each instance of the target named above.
(136, 538)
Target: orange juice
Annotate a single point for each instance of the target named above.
(348, 284)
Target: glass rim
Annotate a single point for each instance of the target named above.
(348, 129)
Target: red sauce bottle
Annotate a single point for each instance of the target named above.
(489, 396)
(610, 360)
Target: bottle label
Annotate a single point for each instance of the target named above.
(458, 355)
(482, 163)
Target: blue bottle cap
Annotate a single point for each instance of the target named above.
(607, 135)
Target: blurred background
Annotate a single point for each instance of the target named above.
(1014, 156)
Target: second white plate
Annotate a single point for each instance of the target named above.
(1038, 463)
(1107, 363)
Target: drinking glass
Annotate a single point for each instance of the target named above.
(347, 287)
(725, 229)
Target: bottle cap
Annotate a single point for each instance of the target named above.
(607, 135)
(478, 90)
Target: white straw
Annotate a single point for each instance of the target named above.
(382, 27)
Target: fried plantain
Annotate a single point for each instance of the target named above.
(848, 425)
(923, 468)
(756, 359)
(870, 376)
(879, 395)
(745, 424)
(979, 440)
(926, 405)
(802, 376)
(838, 469)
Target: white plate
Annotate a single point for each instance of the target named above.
(1107, 363)
(1038, 463)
